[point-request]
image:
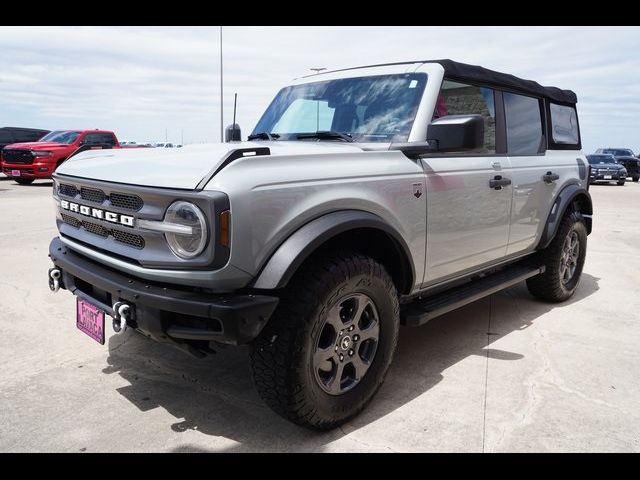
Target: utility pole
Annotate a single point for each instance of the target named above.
(221, 93)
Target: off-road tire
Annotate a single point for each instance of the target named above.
(282, 356)
(24, 181)
(549, 286)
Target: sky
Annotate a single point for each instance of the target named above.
(152, 83)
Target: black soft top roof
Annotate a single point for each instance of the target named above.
(472, 73)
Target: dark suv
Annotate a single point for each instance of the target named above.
(604, 168)
(9, 135)
(626, 158)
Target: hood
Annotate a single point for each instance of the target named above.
(181, 168)
(38, 145)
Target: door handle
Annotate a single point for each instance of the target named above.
(550, 177)
(498, 182)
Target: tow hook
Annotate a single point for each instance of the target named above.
(121, 313)
(54, 279)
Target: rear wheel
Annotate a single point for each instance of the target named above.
(563, 259)
(635, 179)
(621, 182)
(24, 181)
(326, 351)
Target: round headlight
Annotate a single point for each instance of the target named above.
(191, 240)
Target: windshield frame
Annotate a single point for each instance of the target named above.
(58, 133)
(278, 107)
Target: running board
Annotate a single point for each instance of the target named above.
(420, 312)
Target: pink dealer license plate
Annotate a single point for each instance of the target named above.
(90, 320)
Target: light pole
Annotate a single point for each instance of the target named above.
(221, 93)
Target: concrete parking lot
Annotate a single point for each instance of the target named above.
(507, 373)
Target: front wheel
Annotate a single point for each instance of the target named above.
(24, 181)
(563, 259)
(325, 352)
(635, 179)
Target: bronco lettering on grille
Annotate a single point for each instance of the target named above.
(126, 220)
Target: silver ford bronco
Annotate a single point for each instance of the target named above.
(364, 199)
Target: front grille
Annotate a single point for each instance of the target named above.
(95, 195)
(69, 220)
(125, 201)
(67, 190)
(131, 239)
(95, 229)
(17, 156)
(92, 195)
(127, 238)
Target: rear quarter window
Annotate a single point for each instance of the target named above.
(564, 125)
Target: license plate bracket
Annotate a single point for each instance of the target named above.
(90, 320)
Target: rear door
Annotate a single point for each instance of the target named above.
(467, 219)
(537, 174)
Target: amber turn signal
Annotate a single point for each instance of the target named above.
(225, 222)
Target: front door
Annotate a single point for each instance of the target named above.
(468, 197)
(467, 219)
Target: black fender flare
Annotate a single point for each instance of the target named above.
(564, 199)
(303, 242)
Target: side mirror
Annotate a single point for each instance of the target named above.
(453, 133)
(233, 133)
(457, 133)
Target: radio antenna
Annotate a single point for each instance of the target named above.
(235, 104)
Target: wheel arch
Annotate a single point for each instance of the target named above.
(574, 196)
(341, 230)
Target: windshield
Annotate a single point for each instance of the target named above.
(601, 159)
(619, 152)
(61, 137)
(367, 109)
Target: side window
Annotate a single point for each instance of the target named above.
(462, 99)
(5, 137)
(107, 139)
(564, 125)
(524, 124)
(90, 139)
(35, 136)
(305, 116)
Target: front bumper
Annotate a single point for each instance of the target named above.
(166, 313)
(598, 177)
(30, 170)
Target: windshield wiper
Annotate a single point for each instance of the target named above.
(326, 135)
(264, 136)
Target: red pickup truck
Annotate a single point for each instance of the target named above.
(26, 162)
